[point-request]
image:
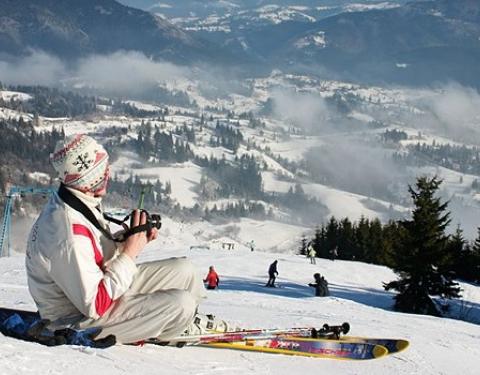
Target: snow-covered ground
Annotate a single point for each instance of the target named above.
(6, 113)
(144, 106)
(295, 148)
(366, 7)
(14, 95)
(438, 346)
(182, 177)
(341, 203)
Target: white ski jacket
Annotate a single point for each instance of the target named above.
(74, 272)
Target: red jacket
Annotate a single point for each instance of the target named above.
(212, 279)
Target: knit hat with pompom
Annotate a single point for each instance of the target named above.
(81, 163)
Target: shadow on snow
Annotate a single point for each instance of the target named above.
(378, 298)
(284, 289)
(367, 296)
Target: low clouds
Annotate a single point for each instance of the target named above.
(125, 71)
(118, 73)
(308, 111)
(39, 68)
(356, 166)
(454, 110)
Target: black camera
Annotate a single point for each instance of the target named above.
(153, 221)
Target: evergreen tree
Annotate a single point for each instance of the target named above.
(3, 181)
(476, 243)
(331, 236)
(392, 233)
(168, 188)
(423, 255)
(320, 242)
(345, 240)
(456, 252)
(362, 237)
(474, 261)
(376, 241)
(303, 245)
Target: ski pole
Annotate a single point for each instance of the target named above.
(141, 199)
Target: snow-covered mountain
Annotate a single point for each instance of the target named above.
(414, 43)
(437, 345)
(417, 43)
(69, 29)
(233, 19)
(203, 8)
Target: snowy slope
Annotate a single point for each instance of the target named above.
(279, 135)
(14, 95)
(6, 113)
(438, 346)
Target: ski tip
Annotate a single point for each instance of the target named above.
(402, 345)
(379, 351)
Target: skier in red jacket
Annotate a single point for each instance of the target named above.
(212, 279)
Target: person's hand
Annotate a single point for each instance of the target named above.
(152, 235)
(136, 242)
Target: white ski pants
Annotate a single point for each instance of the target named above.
(161, 303)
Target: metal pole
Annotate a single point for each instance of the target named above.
(5, 225)
(5, 229)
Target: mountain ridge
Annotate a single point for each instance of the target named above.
(419, 43)
(73, 29)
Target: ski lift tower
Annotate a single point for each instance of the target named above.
(15, 191)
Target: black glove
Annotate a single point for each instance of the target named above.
(86, 337)
(34, 331)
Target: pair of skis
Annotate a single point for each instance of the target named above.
(309, 342)
(327, 342)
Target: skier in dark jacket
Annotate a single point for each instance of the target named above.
(320, 285)
(272, 273)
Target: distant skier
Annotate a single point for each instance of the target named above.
(252, 245)
(320, 285)
(80, 277)
(311, 253)
(272, 273)
(212, 278)
(334, 253)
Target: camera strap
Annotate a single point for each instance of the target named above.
(74, 202)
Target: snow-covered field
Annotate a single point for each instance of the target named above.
(14, 95)
(183, 177)
(438, 346)
(6, 113)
